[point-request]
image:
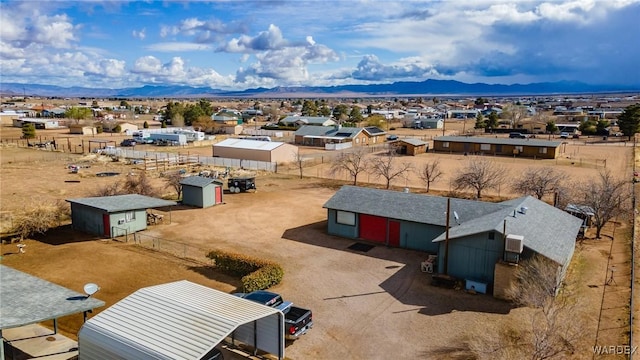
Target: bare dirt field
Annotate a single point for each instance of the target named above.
(374, 304)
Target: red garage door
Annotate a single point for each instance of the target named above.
(373, 228)
(394, 233)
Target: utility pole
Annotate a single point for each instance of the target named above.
(446, 239)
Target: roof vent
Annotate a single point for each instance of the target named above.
(523, 210)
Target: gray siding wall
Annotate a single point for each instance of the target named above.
(473, 257)
(130, 225)
(192, 195)
(347, 231)
(87, 219)
(418, 236)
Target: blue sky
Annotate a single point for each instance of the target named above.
(235, 45)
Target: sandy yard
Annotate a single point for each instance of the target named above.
(379, 297)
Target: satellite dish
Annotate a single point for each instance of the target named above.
(91, 289)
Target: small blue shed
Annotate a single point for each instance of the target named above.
(201, 191)
(113, 215)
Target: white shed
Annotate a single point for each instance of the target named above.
(179, 320)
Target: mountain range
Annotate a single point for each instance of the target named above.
(422, 88)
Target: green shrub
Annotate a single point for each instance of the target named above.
(255, 273)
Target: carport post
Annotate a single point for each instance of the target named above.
(55, 326)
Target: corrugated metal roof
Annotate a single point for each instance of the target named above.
(119, 203)
(499, 141)
(327, 131)
(179, 320)
(27, 299)
(249, 144)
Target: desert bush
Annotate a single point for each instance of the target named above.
(255, 273)
(38, 219)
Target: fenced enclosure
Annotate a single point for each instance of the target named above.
(175, 248)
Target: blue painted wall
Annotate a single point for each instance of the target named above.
(418, 236)
(347, 231)
(473, 257)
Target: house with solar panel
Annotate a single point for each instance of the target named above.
(321, 135)
(476, 241)
(112, 216)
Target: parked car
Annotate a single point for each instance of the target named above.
(128, 142)
(517, 135)
(392, 137)
(564, 135)
(297, 321)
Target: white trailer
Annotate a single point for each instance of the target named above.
(169, 139)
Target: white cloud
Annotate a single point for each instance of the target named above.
(139, 34)
(177, 47)
(271, 39)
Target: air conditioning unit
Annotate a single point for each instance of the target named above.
(120, 221)
(514, 243)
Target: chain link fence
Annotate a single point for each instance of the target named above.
(175, 248)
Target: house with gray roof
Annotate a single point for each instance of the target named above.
(481, 234)
(201, 191)
(321, 135)
(295, 120)
(112, 216)
(541, 149)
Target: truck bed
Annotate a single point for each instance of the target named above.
(297, 322)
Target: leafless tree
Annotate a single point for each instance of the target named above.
(111, 189)
(352, 162)
(514, 113)
(479, 174)
(555, 328)
(139, 184)
(300, 161)
(538, 182)
(607, 197)
(385, 166)
(430, 172)
(173, 181)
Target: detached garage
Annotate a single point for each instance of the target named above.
(113, 215)
(269, 151)
(201, 191)
(179, 321)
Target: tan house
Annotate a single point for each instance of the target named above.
(310, 135)
(533, 148)
(82, 129)
(410, 146)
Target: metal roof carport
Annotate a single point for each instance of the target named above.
(27, 300)
(179, 320)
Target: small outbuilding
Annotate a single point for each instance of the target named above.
(113, 215)
(200, 191)
(179, 320)
(411, 146)
(257, 150)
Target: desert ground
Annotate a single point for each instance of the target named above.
(366, 305)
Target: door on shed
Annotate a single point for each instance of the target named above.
(106, 225)
(373, 228)
(218, 191)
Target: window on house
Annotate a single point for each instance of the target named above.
(519, 149)
(445, 144)
(485, 147)
(346, 218)
(357, 141)
(542, 150)
(491, 235)
(130, 216)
